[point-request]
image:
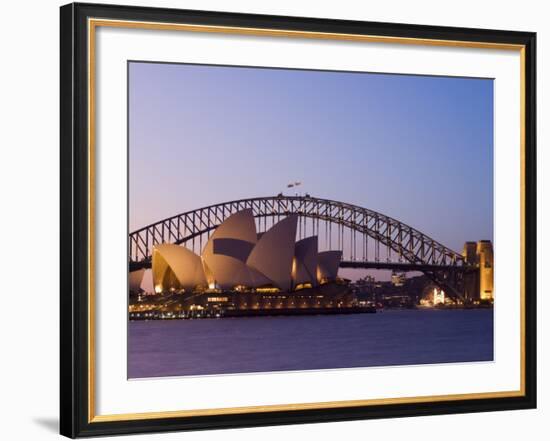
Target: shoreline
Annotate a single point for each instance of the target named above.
(243, 313)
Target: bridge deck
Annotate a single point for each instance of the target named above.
(400, 266)
(395, 266)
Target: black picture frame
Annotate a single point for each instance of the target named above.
(75, 416)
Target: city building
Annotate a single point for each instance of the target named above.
(398, 278)
(439, 297)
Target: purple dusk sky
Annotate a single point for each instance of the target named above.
(416, 148)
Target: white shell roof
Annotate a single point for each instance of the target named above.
(135, 279)
(305, 269)
(273, 254)
(236, 255)
(228, 272)
(185, 264)
(239, 226)
(329, 261)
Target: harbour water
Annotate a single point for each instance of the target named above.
(266, 344)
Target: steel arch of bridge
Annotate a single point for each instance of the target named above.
(403, 243)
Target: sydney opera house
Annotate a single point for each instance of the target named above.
(242, 269)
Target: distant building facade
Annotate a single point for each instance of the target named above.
(398, 278)
(438, 297)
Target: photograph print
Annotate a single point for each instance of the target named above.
(293, 220)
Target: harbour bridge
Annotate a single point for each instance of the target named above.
(367, 239)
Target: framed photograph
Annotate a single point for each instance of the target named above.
(275, 220)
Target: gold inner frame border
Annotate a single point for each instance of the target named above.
(92, 25)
